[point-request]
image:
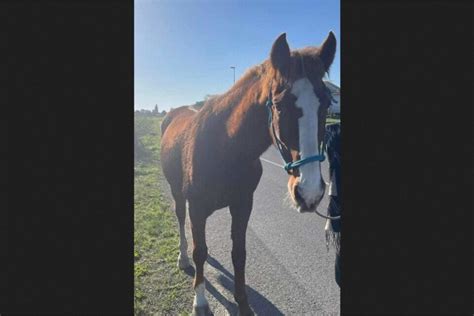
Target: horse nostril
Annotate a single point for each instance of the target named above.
(298, 196)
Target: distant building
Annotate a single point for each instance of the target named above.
(155, 110)
(335, 108)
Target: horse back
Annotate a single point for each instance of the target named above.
(183, 112)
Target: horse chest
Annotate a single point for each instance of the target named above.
(220, 184)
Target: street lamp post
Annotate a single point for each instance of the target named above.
(233, 67)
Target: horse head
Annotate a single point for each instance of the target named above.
(298, 105)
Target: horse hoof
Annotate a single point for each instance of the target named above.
(183, 262)
(202, 311)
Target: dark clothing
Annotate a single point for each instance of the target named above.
(333, 149)
(334, 210)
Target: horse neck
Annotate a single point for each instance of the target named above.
(247, 124)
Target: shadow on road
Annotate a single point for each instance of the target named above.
(190, 271)
(259, 304)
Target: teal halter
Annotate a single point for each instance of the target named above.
(299, 163)
(289, 165)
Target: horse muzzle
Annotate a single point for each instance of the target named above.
(302, 205)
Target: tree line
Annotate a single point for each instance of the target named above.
(154, 112)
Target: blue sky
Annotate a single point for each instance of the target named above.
(184, 49)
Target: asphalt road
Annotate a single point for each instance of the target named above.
(289, 270)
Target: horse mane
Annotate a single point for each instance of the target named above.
(228, 99)
(263, 72)
(244, 87)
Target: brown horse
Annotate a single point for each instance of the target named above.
(211, 159)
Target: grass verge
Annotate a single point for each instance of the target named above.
(160, 287)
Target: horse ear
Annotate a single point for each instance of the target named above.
(280, 55)
(328, 50)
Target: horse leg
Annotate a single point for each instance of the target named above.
(198, 227)
(180, 210)
(240, 217)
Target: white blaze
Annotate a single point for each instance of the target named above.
(310, 185)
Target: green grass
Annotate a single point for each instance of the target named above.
(160, 287)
